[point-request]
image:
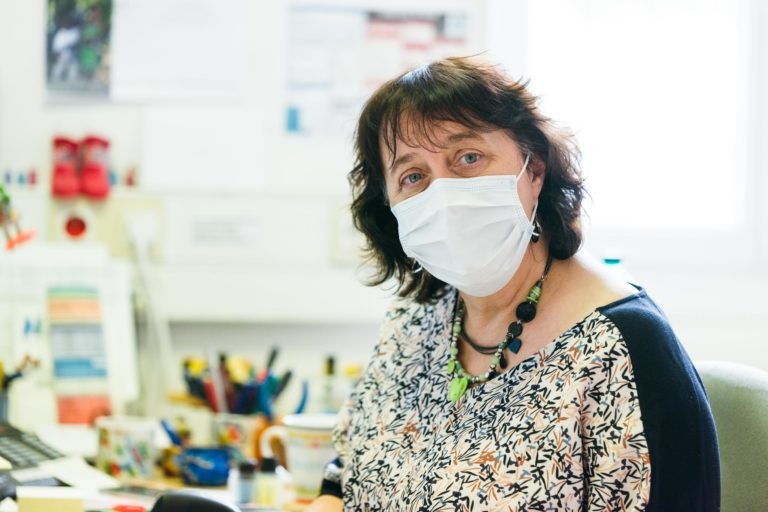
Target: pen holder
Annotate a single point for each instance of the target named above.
(126, 446)
(237, 431)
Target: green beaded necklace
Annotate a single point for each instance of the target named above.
(526, 311)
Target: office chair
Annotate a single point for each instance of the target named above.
(738, 395)
(188, 502)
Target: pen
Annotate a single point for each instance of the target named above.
(263, 397)
(174, 437)
(210, 394)
(270, 361)
(304, 397)
(282, 384)
(226, 381)
(216, 384)
(272, 356)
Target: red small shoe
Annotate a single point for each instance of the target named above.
(65, 183)
(94, 178)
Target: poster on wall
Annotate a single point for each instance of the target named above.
(77, 49)
(338, 55)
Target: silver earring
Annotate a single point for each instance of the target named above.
(536, 230)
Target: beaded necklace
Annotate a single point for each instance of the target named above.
(526, 311)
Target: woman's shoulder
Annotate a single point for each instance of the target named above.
(410, 323)
(405, 312)
(624, 312)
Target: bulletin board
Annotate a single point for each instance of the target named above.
(338, 53)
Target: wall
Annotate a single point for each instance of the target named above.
(717, 310)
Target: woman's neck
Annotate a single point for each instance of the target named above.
(484, 314)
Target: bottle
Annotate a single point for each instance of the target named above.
(267, 484)
(328, 399)
(246, 481)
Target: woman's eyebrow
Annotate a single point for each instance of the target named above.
(462, 136)
(402, 159)
(454, 138)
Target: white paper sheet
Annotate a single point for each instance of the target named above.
(202, 148)
(180, 49)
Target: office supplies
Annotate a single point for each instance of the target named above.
(267, 484)
(205, 466)
(246, 477)
(235, 431)
(25, 460)
(226, 381)
(282, 384)
(304, 397)
(274, 351)
(172, 435)
(308, 443)
(23, 450)
(126, 446)
(75, 472)
(216, 384)
(47, 499)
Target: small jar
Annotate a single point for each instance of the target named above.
(246, 481)
(267, 484)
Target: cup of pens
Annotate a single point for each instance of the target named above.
(126, 446)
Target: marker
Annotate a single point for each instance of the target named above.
(172, 435)
(282, 384)
(304, 397)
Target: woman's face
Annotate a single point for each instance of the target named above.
(455, 152)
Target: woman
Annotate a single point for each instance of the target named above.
(513, 373)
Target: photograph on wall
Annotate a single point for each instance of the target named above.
(338, 56)
(77, 49)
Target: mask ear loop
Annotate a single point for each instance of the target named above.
(525, 167)
(536, 235)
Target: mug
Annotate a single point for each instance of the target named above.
(126, 446)
(308, 443)
(236, 431)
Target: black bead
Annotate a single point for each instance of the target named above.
(526, 311)
(502, 361)
(514, 329)
(515, 345)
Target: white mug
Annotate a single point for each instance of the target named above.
(126, 446)
(308, 443)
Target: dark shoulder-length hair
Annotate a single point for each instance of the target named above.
(478, 96)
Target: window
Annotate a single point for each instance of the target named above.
(660, 95)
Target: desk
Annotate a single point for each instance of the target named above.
(147, 491)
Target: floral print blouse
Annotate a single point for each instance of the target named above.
(609, 416)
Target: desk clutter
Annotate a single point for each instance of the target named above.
(286, 475)
(256, 458)
(239, 437)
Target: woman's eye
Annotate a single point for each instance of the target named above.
(470, 158)
(412, 178)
